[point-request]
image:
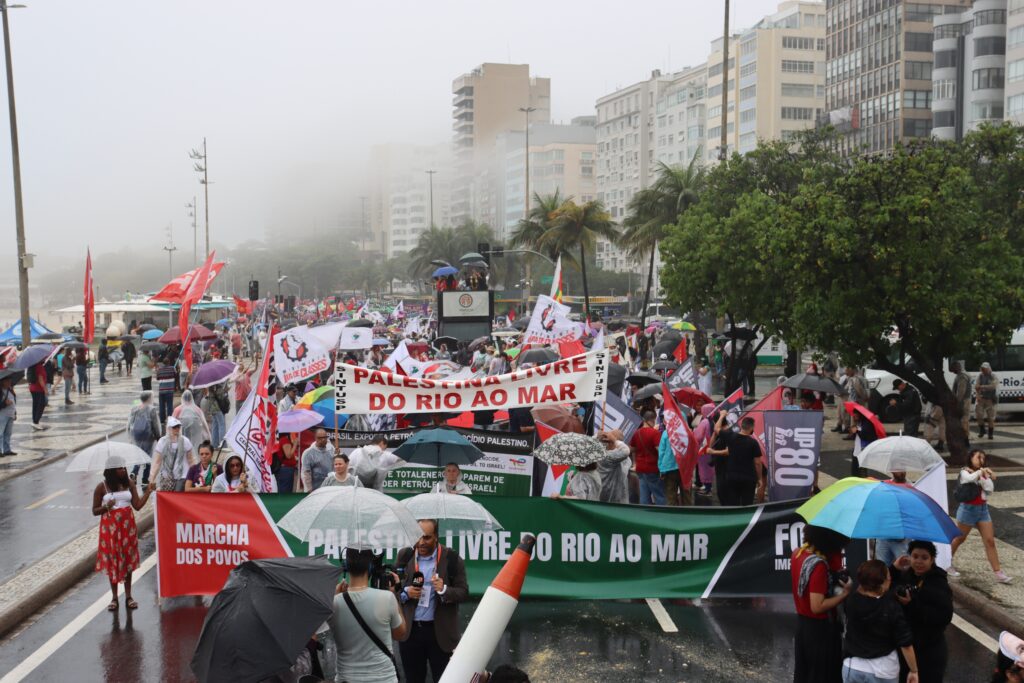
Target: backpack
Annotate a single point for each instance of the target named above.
(223, 402)
(142, 433)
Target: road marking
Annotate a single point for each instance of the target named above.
(44, 501)
(29, 664)
(659, 612)
(970, 629)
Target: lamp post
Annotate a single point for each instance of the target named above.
(202, 166)
(526, 198)
(431, 173)
(19, 212)
(170, 274)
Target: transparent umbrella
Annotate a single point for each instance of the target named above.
(899, 454)
(362, 518)
(456, 513)
(108, 453)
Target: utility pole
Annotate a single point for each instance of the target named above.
(19, 212)
(195, 239)
(170, 260)
(722, 150)
(431, 174)
(203, 166)
(526, 199)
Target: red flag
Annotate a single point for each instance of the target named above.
(89, 294)
(771, 401)
(193, 293)
(568, 349)
(680, 353)
(511, 315)
(243, 306)
(681, 438)
(266, 387)
(174, 291)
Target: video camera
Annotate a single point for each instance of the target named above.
(380, 573)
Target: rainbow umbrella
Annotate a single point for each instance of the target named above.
(684, 326)
(868, 508)
(321, 401)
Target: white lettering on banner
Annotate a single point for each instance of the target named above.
(212, 534)
(580, 378)
(679, 547)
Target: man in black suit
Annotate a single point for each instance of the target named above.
(433, 609)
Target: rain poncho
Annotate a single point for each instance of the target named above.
(705, 465)
(193, 423)
(371, 464)
(459, 486)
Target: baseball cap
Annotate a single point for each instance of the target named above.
(986, 365)
(896, 382)
(173, 422)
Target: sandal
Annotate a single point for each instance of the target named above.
(112, 607)
(131, 604)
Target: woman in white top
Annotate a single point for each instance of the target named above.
(234, 479)
(118, 552)
(341, 476)
(452, 482)
(974, 513)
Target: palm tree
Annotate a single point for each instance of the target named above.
(530, 231)
(577, 226)
(435, 244)
(652, 210)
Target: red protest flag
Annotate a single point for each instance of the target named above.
(243, 306)
(568, 349)
(174, 291)
(681, 438)
(771, 401)
(511, 315)
(193, 293)
(680, 353)
(89, 300)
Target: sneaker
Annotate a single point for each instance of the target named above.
(69, 402)
(1001, 577)
(37, 427)
(952, 572)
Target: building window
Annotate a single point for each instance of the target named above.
(944, 119)
(748, 93)
(987, 111)
(748, 69)
(995, 45)
(1015, 36)
(920, 71)
(944, 89)
(990, 16)
(917, 128)
(748, 115)
(797, 90)
(947, 31)
(1015, 70)
(985, 79)
(917, 42)
(1016, 6)
(748, 47)
(820, 44)
(921, 11)
(716, 69)
(1015, 105)
(797, 67)
(748, 141)
(715, 111)
(715, 91)
(797, 113)
(945, 59)
(917, 99)
(797, 43)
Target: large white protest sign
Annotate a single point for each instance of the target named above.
(298, 354)
(577, 379)
(550, 323)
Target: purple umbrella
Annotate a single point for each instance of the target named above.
(214, 372)
(33, 355)
(297, 420)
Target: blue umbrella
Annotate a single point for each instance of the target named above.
(325, 408)
(868, 508)
(438, 447)
(226, 322)
(150, 335)
(445, 271)
(33, 355)
(380, 341)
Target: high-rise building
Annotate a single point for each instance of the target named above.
(878, 88)
(680, 118)
(1014, 88)
(487, 102)
(968, 69)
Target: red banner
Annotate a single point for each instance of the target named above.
(202, 537)
(89, 296)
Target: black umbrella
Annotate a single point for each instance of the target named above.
(521, 324)
(154, 347)
(51, 336)
(75, 345)
(642, 379)
(616, 325)
(666, 346)
(814, 383)
(538, 356)
(261, 620)
(14, 375)
(478, 342)
(146, 327)
(616, 376)
(672, 334)
(360, 322)
(665, 365)
(452, 342)
(648, 391)
(128, 337)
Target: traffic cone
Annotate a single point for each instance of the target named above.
(491, 617)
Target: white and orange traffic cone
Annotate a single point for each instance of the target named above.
(491, 617)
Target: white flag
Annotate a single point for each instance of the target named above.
(550, 323)
(298, 354)
(356, 338)
(398, 355)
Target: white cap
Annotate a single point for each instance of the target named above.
(986, 366)
(173, 422)
(1011, 646)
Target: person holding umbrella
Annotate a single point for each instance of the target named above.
(118, 553)
(8, 413)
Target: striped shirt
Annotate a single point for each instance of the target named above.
(165, 379)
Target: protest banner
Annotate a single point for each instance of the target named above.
(577, 379)
(793, 438)
(299, 354)
(550, 323)
(683, 376)
(584, 551)
(505, 470)
(614, 413)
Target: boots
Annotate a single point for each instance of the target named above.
(990, 433)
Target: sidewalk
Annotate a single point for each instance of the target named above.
(69, 428)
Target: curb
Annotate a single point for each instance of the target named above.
(49, 460)
(74, 571)
(983, 606)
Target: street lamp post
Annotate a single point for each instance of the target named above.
(431, 174)
(170, 274)
(202, 166)
(526, 197)
(19, 212)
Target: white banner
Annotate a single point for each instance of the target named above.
(933, 484)
(550, 323)
(466, 304)
(328, 335)
(298, 354)
(580, 378)
(247, 436)
(356, 338)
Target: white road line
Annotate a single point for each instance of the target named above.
(991, 644)
(44, 501)
(659, 612)
(30, 663)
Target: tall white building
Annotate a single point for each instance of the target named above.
(1014, 87)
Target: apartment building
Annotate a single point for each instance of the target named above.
(680, 118)
(968, 69)
(487, 102)
(1013, 109)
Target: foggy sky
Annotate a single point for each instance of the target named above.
(112, 95)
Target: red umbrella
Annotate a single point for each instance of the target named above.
(557, 416)
(694, 398)
(195, 333)
(868, 415)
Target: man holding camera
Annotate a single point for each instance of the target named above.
(435, 584)
(364, 622)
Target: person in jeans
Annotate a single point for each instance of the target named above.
(146, 366)
(8, 413)
(359, 658)
(165, 376)
(37, 387)
(974, 513)
(82, 367)
(645, 445)
(67, 373)
(103, 356)
(875, 629)
(143, 430)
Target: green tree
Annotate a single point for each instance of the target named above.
(577, 227)
(435, 244)
(652, 210)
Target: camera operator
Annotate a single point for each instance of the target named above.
(435, 584)
(923, 590)
(743, 472)
(875, 629)
(364, 622)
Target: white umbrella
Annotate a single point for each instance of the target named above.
(899, 454)
(362, 518)
(107, 454)
(457, 512)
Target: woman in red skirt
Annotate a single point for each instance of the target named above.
(118, 552)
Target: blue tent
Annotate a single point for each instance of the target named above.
(13, 333)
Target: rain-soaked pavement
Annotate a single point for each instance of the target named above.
(75, 639)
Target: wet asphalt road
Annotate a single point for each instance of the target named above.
(749, 640)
